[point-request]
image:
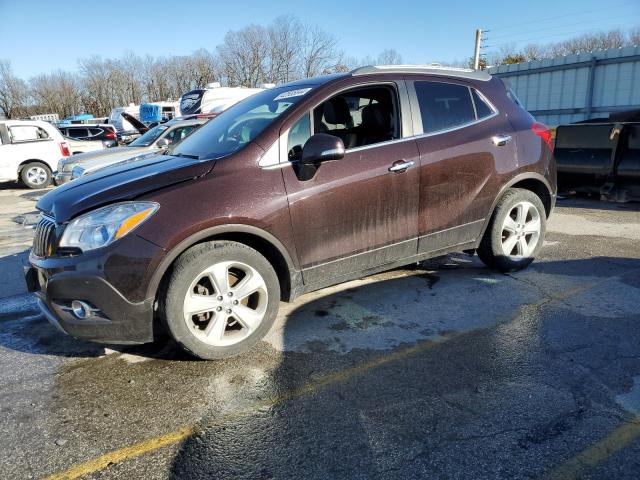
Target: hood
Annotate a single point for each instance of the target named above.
(124, 152)
(118, 183)
(102, 161)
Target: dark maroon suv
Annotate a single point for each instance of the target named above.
(296, 188)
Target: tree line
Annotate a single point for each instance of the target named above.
(589, 42)
(285, 50)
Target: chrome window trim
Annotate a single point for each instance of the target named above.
(373, 145)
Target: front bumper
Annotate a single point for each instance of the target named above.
(96, 279)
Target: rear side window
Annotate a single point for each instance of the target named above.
(443, 105)
(95, 131)
(78, 132)
(27, 133)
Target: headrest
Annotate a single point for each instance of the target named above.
(336, 111)
(376, 119)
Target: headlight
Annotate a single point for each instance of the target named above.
(60, 164)
(77, 172)
(104, 226)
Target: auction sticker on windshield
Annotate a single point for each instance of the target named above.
(292, 93)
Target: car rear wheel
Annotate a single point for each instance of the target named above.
(515, 233)
(222, 298)
(35, 175)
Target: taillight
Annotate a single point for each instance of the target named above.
(541, 130)
(64, 149)
(110, 135)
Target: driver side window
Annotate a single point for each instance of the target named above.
(298, 136)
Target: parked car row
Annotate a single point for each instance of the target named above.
(158, 138)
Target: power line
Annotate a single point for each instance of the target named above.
(528, 32)
(573, 14)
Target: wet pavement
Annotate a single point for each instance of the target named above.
(447, 370)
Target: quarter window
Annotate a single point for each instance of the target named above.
(298, 136)
(483, 110)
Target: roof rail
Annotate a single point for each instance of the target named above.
(433, 69)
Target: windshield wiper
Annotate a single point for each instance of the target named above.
(183, 155)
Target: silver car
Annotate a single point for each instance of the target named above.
(157, 138)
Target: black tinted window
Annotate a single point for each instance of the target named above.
(78, 132)
(95, 131)
(482, 108)
(443, 105)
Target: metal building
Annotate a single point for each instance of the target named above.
(568, 89)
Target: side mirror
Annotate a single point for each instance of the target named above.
(322, 148)
(162, 143)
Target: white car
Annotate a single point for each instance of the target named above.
(83, 146)
(29, 151)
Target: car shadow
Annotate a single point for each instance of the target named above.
(402, 374)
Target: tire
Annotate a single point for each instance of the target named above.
(35, 175)
(512, 244)
(228, 323)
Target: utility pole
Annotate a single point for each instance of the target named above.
(476, 54)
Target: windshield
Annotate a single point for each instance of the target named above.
(240, 124)
(149, 137)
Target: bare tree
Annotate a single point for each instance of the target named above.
(390, 56)
(319, 52)
(589, 42)
(13, 91)
(286, 35)
(243, 56)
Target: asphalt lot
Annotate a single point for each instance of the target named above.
(448, 370)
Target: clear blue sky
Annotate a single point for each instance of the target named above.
(39, 36)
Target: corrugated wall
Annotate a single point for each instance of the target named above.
(577, 87)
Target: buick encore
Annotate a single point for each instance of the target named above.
(296, 188)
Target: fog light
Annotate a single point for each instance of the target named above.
(81, 309)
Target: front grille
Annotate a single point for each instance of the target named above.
(43, 240)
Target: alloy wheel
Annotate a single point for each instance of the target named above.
(521, 230)
(225, 303)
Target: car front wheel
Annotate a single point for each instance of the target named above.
(222, 298)
(515, 233)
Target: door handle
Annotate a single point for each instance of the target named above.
(501, 140)
(401, 166)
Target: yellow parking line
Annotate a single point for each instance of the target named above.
(122, 454)
(152, 444)
(618, 439)
(147, 446)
